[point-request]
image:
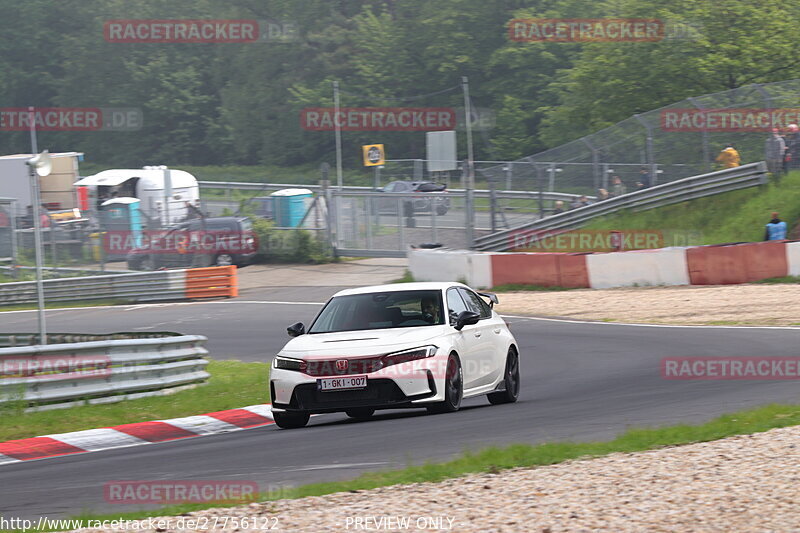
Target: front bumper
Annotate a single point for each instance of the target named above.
(390, 388)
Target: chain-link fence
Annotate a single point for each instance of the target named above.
(679, 140)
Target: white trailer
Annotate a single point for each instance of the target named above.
(56, 190)
(164, 192)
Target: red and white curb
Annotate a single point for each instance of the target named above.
(93, 440)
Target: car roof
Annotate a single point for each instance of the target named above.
(395, 287)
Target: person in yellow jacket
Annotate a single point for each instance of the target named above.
(728, 157)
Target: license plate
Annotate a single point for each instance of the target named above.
(343, 383)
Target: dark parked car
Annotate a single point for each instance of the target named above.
(434, 192)
(219, 241)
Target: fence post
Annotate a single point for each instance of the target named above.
(540, 183)
(704, 136)
(492, 202)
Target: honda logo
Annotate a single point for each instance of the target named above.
(341, 364)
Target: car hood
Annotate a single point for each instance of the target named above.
(362, 342)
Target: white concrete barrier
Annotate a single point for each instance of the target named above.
(451, 265)
(793, 258)
(664, 266)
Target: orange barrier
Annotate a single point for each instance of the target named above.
(573, 271)
(736, 263)
(545, 269)
(212, 282)
(765, 260)
(714, 265)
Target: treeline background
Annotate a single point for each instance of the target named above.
(239, 104)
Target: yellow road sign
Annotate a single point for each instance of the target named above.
(373, 155)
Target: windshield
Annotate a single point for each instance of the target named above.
(380, 310)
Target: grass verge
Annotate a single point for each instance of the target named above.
(783, 279)
(232, 384)
(522, 455)
(735, 216)
(407, 278)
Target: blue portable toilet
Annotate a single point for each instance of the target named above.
(122, 216)
(289, 206)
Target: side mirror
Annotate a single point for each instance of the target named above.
(295, 330)
(466, 318)
(491, 296)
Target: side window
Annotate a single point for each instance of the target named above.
(454, 304)
(400, 187)
(476, 304)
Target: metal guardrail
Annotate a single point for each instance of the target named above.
(677, 191)
(140, 286)
(58, 375)
(479, 193)
(11, 340)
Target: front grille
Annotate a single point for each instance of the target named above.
(379, 392)
(354, 366)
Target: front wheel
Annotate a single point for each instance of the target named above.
(291, 420)
(453, 388)
(511, 379)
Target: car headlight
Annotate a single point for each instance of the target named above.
(395, 358)
(287, 363)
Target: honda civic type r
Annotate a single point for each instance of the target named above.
(395, 346)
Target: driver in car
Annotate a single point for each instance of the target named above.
(430, 310)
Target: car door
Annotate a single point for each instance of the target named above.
(489, 357)
(468, 339)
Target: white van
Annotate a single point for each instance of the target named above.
(164, 192)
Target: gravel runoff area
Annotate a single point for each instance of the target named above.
(743, 483)
(754, 304)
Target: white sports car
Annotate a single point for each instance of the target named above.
(395, 346)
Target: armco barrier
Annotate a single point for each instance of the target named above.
(664, 266)
(61, 374)
(137, 287)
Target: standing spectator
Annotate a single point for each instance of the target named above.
(792, 140)
(728, 157)
(775, 229)
(644, 178)
(774, 151)
(559, 207)
(617, 187)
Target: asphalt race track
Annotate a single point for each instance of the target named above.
(580, 381)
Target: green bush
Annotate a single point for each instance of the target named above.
(288, 246)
